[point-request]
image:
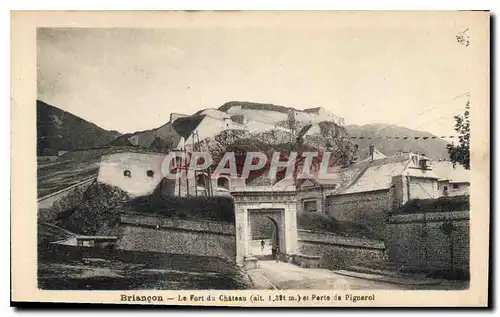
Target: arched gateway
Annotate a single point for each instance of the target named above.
(280, 206)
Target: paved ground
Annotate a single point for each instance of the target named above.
(289, 276)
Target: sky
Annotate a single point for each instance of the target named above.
(131, 79)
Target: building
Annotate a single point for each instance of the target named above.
(88, 241)
(141, 173)
(454, 179)
(47, 158)
(274, 114)
(134, 172)
(369, 186)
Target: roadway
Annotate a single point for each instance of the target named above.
(272, 275)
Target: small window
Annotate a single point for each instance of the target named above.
(223, 183)
(455, 186)
(201, 181)
(445, 187)
(310, 206)
(127, 173)
(150, 173)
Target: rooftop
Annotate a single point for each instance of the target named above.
(455, 173)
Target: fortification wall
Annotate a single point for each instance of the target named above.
(166, 235)
(336, 252)
(145, 171)
(418, 241)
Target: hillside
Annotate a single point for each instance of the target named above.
(60, 130)
(434, 148)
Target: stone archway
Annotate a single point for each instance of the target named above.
(279, 206)
(266, 225)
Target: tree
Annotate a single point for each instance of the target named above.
(460, 153)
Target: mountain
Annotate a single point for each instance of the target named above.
(433, 148)
(60, 130)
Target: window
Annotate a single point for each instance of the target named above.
(201, 181)
(455, 186)
(445, 188)
(127, 173)
(310, 206)
(222, 183)
(423, 164)
(150, 173)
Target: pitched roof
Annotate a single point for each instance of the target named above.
(186, 125)
(455, 174)
(364, 155)
(146, 138)
(377, 174)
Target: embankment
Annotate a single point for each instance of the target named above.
(50, 206)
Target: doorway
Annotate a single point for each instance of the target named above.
(266, 233)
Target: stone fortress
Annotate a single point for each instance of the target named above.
(182, 130)
(367, 189)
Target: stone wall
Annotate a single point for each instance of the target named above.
(418, 242)
(311, 194)
(263, 199)
(337, 252)
(190, 187)
(445, 188)
(369, 209)
(166, 235)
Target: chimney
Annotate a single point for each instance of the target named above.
(372, 150)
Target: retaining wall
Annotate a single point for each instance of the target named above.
(154, 233)
(417, 241)
(336, 252)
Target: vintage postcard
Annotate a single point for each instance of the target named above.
(251, 158)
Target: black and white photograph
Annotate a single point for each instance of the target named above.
(328, 151)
